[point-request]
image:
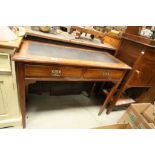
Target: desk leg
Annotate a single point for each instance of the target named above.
(21, 91)
(116, 98)
(113, 90)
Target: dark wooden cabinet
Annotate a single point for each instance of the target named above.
(144, 74)
(139, 53)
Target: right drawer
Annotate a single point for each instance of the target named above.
(103, 74)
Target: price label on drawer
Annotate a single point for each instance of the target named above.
(56, 72)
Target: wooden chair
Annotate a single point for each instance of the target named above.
(126, 84)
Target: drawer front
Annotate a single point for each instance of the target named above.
(52, 71)
(103, 74)
(5, 62)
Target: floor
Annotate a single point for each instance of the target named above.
(70, 111)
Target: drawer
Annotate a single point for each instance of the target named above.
(52, 71)
(5, 62)
(103, 74)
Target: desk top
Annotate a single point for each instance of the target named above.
(37, 52)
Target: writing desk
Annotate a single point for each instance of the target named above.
(49, 62)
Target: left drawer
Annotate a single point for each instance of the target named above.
(5, 62)
(52, 71)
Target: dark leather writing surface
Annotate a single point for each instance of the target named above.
(68, 53)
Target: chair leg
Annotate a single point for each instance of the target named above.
(116, 99)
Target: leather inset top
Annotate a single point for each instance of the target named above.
(68, 53)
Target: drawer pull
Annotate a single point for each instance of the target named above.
(137, 71)
(56, 72)
(105, 73)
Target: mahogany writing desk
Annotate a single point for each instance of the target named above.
(50, 62)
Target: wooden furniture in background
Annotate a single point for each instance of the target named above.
(105, 37)
(133, 30)
(68, 40)
(87, 30)
(112, 40)
(139, 53)
(10, 115)
(148, 96)
(39, 61)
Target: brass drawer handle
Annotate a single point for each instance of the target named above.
(56, 72)
(105, 73)
(137, 71)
